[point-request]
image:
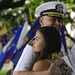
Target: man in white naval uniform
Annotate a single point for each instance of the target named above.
(51, 14)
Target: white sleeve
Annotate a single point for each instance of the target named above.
(73, 54)
(66, 59)
(62, 49)
(26, 60)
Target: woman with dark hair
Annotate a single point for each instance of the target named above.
(47, 42)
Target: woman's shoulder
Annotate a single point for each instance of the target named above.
(41, 65)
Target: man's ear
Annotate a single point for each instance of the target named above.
(41, 21)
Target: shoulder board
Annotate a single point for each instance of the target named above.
(31, 42)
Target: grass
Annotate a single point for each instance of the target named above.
(3, 71)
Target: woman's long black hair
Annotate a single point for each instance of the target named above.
(53, 41)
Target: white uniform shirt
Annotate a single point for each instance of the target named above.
(27, 59)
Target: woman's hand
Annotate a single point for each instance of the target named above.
(54, 69)
(59, 67)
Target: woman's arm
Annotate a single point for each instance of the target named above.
(31, 73)
(39, 68)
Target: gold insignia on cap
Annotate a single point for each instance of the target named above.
(54, 14)
(59, 8)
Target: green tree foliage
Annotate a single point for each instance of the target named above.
(11, 17)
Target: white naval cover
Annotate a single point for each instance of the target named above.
(48, 6)
(26, 60)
